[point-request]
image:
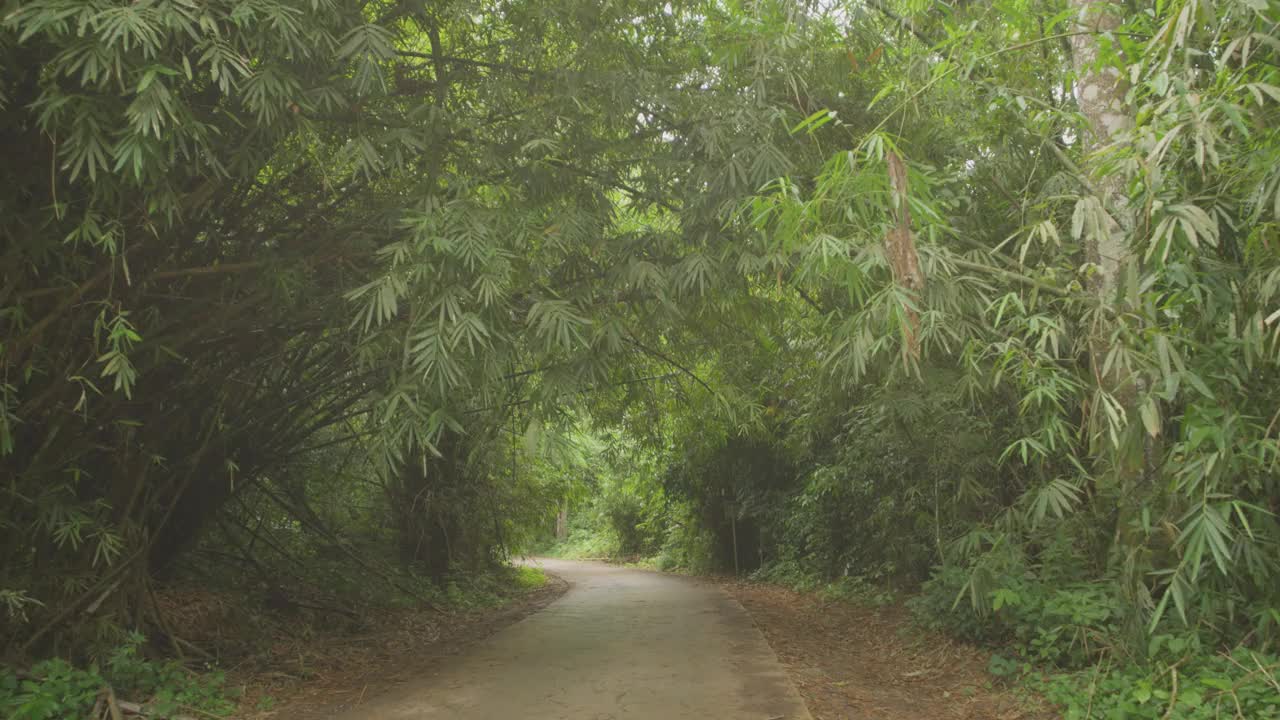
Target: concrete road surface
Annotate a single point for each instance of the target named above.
(619, 644)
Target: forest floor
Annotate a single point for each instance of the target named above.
(870, 663)
(316, 665)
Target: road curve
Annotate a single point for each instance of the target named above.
(620, 643)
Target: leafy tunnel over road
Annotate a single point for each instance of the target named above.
(338, 304)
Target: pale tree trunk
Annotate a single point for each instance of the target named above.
(562, 521)
(1100, 96)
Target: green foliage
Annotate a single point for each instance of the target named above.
(1062, 431)
(860, 294)
(789, 573)
(56, 689)
(1050, 625)
(622, 513)
(62, 692)
(584, 543)
(473, 591)
(1239, 684)
(851, 589)
(688, 545)
(529, 578)
(238, 235)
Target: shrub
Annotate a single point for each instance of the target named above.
(56, 689)
(1240, 684)
(528, 578)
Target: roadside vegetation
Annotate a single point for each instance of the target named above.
(337, 306)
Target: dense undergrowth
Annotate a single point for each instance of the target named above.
(54, 689)
(229, 630)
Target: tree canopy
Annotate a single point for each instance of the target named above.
(979, 295)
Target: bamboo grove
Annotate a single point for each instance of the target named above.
(980, 295)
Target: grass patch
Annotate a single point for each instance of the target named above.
(582, 545)
(529, 578)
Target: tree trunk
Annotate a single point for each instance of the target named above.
(562, 521)
(900, 246)
(733, 527)
(1100, 94)
(1100, 91)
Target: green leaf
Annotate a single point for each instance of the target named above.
(1150, 416)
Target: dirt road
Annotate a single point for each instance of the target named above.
(620, 644)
